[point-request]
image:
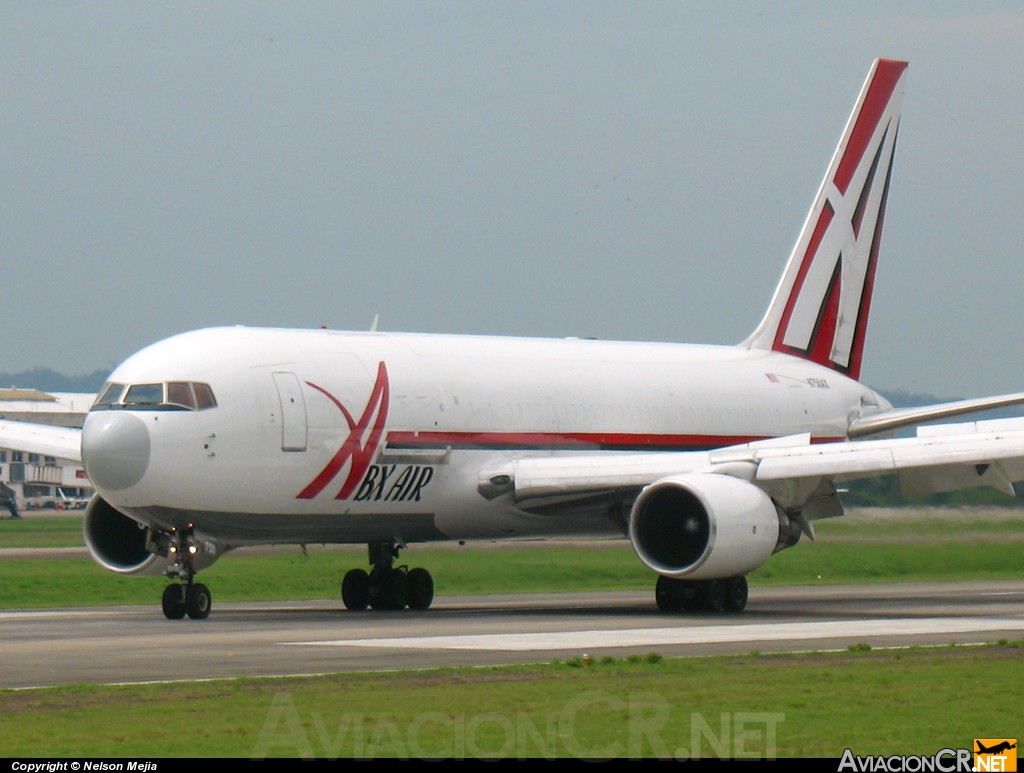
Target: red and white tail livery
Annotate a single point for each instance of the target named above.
(820, 309)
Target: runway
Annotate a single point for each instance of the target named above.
(136, 644)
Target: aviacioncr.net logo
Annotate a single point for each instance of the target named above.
(995, 754)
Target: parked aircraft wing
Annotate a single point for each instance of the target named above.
(43, 439)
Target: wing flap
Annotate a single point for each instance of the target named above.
(936, 480)
(845, 460)
(959, 446)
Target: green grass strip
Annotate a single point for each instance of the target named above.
(35, 532)
(540, 569)
(914, 701)
(948, 545)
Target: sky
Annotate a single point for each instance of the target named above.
(630, 171)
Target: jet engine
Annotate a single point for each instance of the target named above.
(703, 526)
(122, 545)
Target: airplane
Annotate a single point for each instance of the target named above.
(999, 747)
(708, 459)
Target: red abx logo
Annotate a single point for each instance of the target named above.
(361, 444)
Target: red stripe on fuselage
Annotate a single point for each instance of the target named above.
(569, 440)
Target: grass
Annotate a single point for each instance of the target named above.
(914, 701)
(36, 532)
(48, 583)
(945, 546)
(888, 525)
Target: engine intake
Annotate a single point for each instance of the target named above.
(703, 526)
(118, 543)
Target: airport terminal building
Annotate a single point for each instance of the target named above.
(44, 481)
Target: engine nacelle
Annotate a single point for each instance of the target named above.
(703, 526)
(122, 545)
(118, 543)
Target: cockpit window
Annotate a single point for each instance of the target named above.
(110, 394)
(180, 393)
(204, 396)
(169, 396)
(144, 394)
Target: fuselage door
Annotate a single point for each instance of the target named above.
(293, 412)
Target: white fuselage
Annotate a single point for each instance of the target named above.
(321, 436)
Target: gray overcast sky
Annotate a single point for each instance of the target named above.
(623, 170)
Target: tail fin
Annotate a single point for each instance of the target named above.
(820, 308)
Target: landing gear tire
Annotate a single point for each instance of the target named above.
(669, 594)
(174, 601)
(736, 591)
(387, 589)
(701, 595)
(419, 587)
(711, 595)
(355, 590)
(198, 601)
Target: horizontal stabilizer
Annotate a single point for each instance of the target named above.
(906, 417)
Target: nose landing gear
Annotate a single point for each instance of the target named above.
(184, 597)
(187, 598)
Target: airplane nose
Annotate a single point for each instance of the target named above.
(115, 449)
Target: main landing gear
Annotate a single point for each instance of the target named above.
(387, 586)
(726, 595)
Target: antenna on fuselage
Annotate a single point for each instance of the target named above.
(373, 325)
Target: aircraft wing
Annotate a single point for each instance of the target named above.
(940, 458)
(43, 439)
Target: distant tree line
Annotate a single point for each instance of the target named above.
(885, 492)
(48, 380)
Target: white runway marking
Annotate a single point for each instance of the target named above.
(50, 614)
(709, 634)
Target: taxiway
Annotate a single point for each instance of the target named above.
(137, 644)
